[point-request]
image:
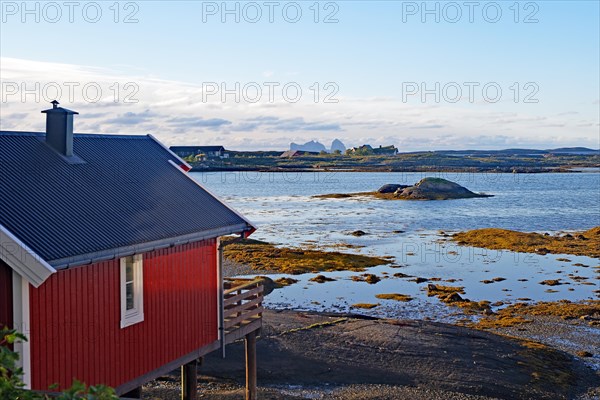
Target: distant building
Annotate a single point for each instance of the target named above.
(202, 151)
(297, 153)
(386, 150)
(366, 149)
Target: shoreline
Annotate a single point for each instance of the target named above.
(558, 170)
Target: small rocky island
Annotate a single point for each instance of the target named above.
(425, 189)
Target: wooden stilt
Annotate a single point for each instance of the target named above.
(189, 381)
(251, 366)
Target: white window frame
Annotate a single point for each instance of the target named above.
(136, 314)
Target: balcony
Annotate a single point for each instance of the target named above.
(242, 308)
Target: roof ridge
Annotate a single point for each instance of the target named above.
(79, 135)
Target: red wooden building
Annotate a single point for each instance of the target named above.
(110, 260)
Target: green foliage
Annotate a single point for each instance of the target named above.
(80, 391)
(12, 386)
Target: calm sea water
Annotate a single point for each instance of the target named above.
(280, 204)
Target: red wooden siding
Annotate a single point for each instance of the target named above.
(75, 318)
(6, 296)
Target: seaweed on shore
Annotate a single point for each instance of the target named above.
(585, 243)
(394, 296)
(264, 256)
(515, 314)
(366, 306)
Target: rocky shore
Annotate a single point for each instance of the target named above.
(320, 356)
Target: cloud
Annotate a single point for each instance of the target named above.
(175, 112)
(276, 124)
(93, 115)
(427, 127)
(131, 118)
(198, 122)
(16, 116)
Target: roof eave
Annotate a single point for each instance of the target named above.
(110, 254)
(22, 259)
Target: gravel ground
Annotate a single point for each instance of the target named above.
(169, 390)
(570, 336)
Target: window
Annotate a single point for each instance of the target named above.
(132, 290)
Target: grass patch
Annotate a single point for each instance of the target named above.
(264, 256)
(585, 243)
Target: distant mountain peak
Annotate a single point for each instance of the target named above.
(313, 146)
(337, 145)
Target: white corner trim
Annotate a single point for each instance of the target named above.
(21, 322)
(188, 166)
(220, 299)
(22, 259)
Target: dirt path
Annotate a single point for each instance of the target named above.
(306, 354)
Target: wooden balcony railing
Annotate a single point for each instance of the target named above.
(242, 308)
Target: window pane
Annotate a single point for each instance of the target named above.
(129, 269)
(129, 304)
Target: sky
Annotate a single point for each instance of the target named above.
(259, 75)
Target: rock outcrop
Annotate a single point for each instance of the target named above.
(337, 145)
(435, 189)
(391, 188)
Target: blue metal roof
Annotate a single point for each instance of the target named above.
(126, 196)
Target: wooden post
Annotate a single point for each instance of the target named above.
(189, 381)
(251, 366)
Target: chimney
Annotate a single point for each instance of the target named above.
(59, 129)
